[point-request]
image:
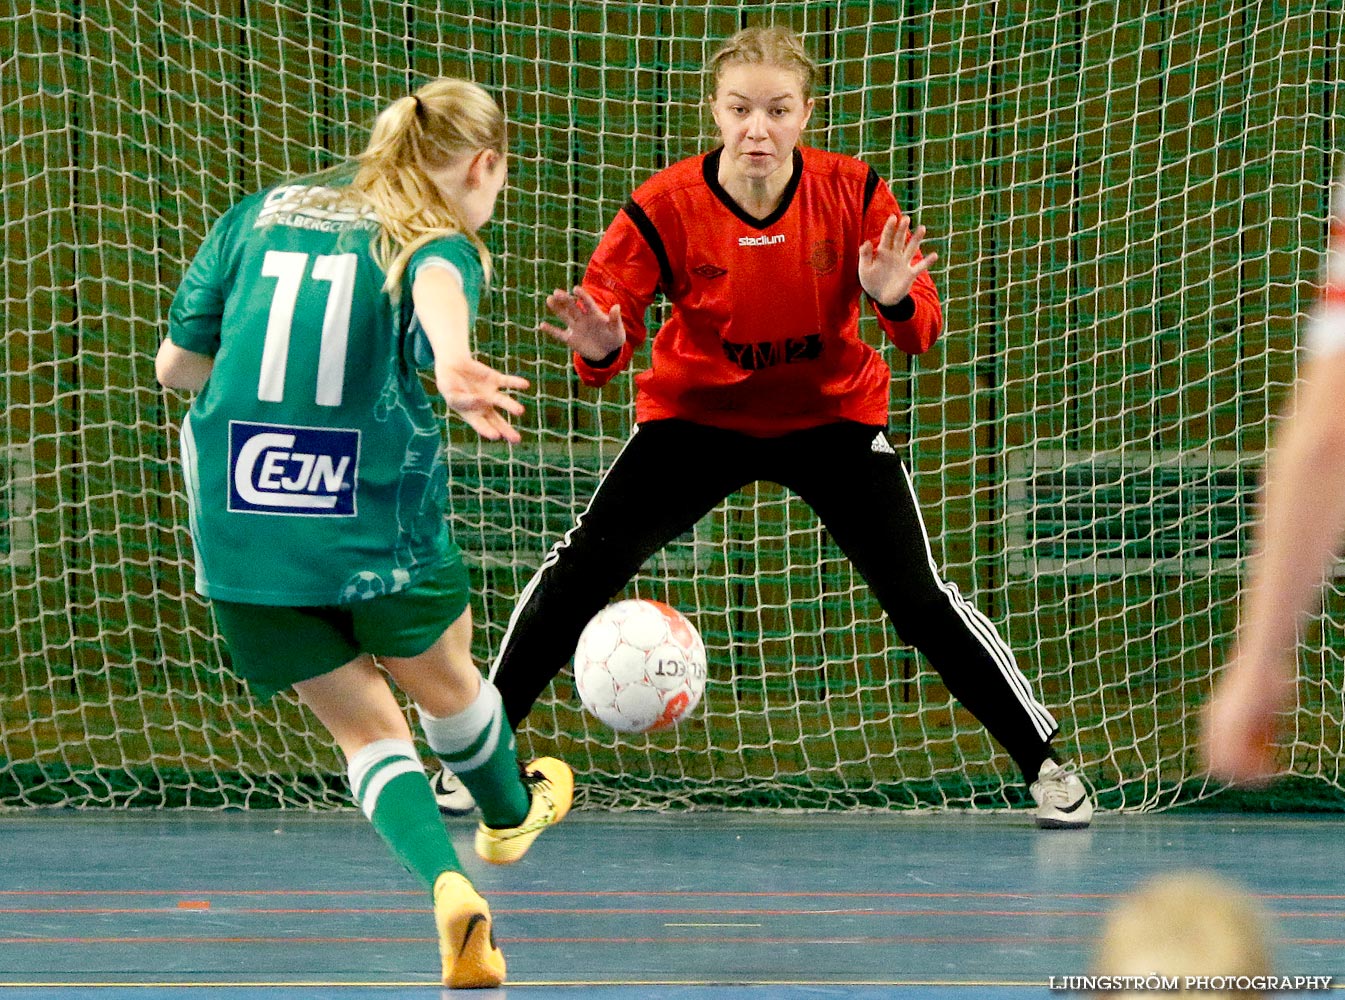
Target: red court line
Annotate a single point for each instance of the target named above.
(191, 893)
(865, 940)
(854, 939)
(95, 910)
(599, 911)
(596, 911)
(566, 910)
(285, 941)
(618, 893)
(616, 910)
(576, 911)
(216, 940)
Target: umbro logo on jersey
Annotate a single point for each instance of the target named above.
(275, 469)
(708, 271)
(881, 445)
(760, 241)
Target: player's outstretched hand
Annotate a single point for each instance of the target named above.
(588, 331)
(477, 393)
(1239, 725)
(888, 269)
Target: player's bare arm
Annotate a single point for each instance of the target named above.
(888, 267)
(178, 368)
(473, 390)
(1240, 724)
(589, 331)
(1303, 522)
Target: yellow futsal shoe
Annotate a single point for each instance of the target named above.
(466, 938)
(550, 783)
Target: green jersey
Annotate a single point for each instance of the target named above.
(313, 460)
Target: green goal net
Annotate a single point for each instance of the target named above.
(1130, 205)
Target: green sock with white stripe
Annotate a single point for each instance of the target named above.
(390, 786)
(477, 745)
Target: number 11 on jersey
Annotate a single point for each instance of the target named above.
(288, 268)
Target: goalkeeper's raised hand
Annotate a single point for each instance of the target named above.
(589, 331)
(889, 266)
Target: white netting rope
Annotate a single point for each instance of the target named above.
(1129, 204)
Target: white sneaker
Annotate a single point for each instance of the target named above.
(451, 794)
(1062, 800)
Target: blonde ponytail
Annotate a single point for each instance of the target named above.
(441, 122)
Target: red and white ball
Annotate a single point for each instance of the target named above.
(639, 666)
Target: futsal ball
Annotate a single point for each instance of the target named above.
(639, 666)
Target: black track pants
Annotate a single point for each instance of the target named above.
(850, 475)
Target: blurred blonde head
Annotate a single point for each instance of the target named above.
(414, 138)
(1186, 924)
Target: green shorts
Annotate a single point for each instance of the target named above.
(273, 647)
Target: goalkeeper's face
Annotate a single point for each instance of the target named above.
(761, 111)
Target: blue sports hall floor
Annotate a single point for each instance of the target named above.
(184, 905)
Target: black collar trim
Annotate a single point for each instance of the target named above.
(710, 170)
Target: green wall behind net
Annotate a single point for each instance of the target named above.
(1130, 206)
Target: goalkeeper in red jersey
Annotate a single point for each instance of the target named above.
(765, 250)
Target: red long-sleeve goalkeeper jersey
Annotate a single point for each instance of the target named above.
(764, 332)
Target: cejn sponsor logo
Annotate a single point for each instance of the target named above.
(276, 469)
(760, 241)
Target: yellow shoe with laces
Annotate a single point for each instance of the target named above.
(550, 784)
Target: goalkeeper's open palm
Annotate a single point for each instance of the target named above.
(888, 268)
(588, 331)
(478, 393)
